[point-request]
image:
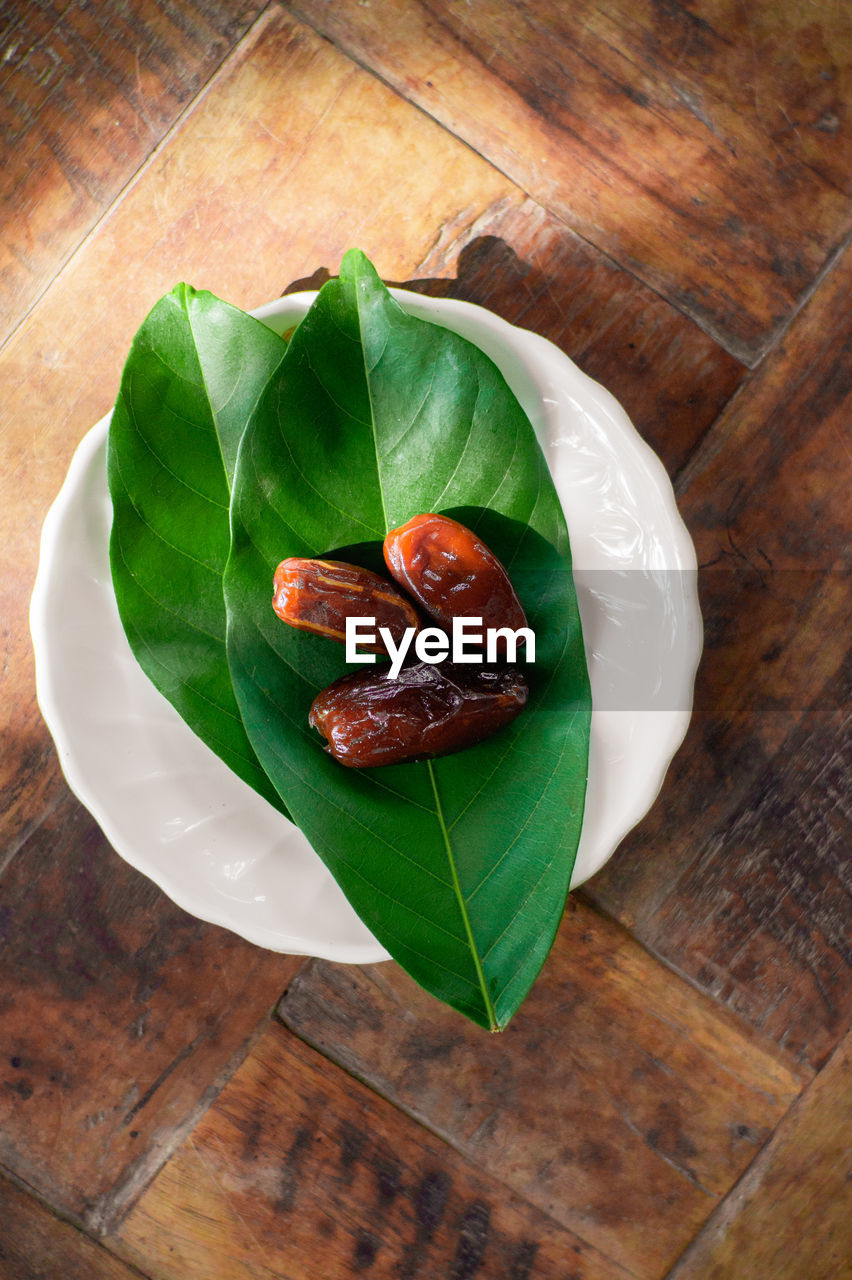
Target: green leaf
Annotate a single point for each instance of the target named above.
(191, 380)
(461, 865)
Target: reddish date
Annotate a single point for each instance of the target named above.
(319, 595)
(446, 568)
(429, 710)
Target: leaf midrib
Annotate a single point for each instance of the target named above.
(203, 380)
(439, 812)
(480, 972)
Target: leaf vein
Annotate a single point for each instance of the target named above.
(223, 506)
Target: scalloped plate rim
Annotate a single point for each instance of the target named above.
(87, 790)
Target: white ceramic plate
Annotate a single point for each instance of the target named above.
(172, 809)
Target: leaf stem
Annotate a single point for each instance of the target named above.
(480, 973)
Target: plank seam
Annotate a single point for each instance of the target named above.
(106, 1214)
(801, 1075)
(447, 1142)
(707, 443)
(249, 38)
(68, 1219)
(749, 354)
(742, 1186)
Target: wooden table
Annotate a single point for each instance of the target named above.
(662, 189)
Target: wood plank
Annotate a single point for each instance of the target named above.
(706, 151)
(737, 875)
(120, 1017)
(525, 264)
(619, 1100)
(85, 97)
(789, 1216)
(299, 1171)
(761, 919)
(36, 1245)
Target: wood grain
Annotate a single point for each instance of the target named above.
(86, 94)
(299, 1171)
(737, 876)
(761, 919)
(707, 151)
(36, 1245)
(120, 1017)
(618, 1100)
(789, 1215)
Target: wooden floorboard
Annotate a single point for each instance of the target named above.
(746, 840)
(298, 1172)
(121, 1017)
(37, 1245)
(789, 1215)
(618, 1100)
(761, 919)
(86, 93)
(707, 151)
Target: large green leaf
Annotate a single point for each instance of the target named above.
(460, 866)
(192, 378)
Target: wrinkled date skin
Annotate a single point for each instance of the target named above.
(319, 595)
(430, 710)
(446, 568)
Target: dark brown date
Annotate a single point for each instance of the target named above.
(319, 595)
(430, 710)
(452, 574)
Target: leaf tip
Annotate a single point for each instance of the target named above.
(183, 293)
(351, 260)
(356, 266)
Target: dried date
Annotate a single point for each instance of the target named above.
(319, 595)
(452, 573)
(429, 710)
